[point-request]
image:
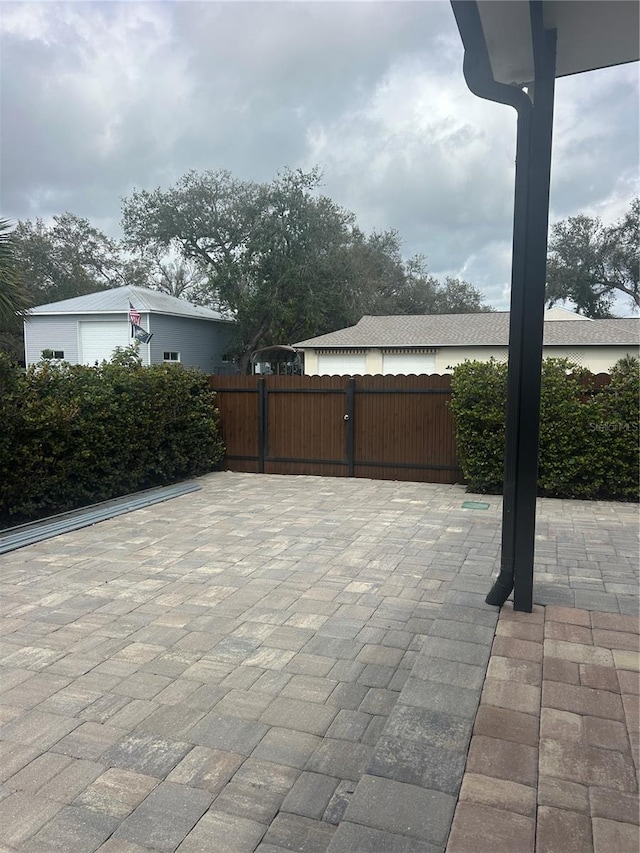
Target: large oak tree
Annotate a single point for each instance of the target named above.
(590, 263)
(286, 261)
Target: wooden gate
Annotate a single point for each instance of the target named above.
(382, 427)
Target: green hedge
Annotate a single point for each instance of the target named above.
(76, 435)
(588, 444)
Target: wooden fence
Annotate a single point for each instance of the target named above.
(382, 427)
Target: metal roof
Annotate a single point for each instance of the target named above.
(591, 34)
(464, 330)
(116, 301)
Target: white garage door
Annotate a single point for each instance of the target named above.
(394, 363)
(341, 364)
(99, 339)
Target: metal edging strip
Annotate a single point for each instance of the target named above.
(37, 531)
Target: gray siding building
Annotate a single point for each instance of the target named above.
(87, 329)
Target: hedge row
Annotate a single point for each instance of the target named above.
(588, 444)
(76, 435)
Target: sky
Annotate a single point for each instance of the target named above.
(98, 99)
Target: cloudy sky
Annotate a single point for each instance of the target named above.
(100, 98)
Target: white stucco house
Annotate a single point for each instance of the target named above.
(87, 329)
(436, 343)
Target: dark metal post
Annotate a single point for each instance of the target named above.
(526, 327)
(544, 47)
(349, 418)
(262, 424)
(504, 584)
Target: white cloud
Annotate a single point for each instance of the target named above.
(100, 97)
(416, 156)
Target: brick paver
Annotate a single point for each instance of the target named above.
(297, 663)
(582, 741)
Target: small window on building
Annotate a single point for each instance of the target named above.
(226, 358)
(52, 353)
(171, 356)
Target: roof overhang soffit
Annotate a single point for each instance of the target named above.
(591, 34)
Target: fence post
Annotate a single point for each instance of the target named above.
(262, 424)
(349, 417)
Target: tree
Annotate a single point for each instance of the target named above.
(380, 284)
(70, 258)
(411, 289)
(276, 254)
(589, 263)
(177, 276)
(287, 262)
(623, 253)
(457, 296)
(14, 299)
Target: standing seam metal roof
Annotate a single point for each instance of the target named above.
(116, 301)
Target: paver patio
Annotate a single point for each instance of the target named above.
(296, 663)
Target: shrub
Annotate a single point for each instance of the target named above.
(75, 435)
(588, 445)
(616, 433)
(478, 404)
(565, 444)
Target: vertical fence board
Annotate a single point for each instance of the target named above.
(237, 400)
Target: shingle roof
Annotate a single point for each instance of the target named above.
(461, 330)
(116, 301)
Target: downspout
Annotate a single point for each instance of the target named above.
(531, 211)
(480, 81)
(483, 85)
(527, 324)
(477, 66)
